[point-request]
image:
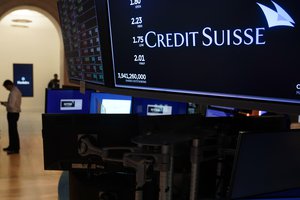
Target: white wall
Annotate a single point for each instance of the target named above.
(37, 45)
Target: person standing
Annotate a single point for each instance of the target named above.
(13, 108)
(54, 83)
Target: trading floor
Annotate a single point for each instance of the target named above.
(22, 176)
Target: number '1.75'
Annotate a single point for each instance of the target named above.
(138, 39)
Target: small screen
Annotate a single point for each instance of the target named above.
(23, 78)
(151, 107)
(265, 163)
(104, 103)
(67, 101)
(219, 111)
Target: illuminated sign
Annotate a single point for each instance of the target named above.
(153, 110)
(23, 81)
(71, 104)
(23, 78)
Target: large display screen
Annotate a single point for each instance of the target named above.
(81, 36)
(244, 50)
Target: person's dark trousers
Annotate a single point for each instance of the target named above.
(14, 142)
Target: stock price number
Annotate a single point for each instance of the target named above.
(139, 59)
(138, 40)
(137, 21)
(132, 76)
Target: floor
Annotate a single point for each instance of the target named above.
(22, 176)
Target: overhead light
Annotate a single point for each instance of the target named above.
(30, 18)
(21, 20)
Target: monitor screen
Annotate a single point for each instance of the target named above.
(219, 111)
(105, 103)
(67, 101)
(82, 29)
(241, 50)
(152, 107)
(265, 163)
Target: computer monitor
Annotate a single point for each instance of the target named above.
(105, 103)
(266, 162)
(220, 111)
(67, 101)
